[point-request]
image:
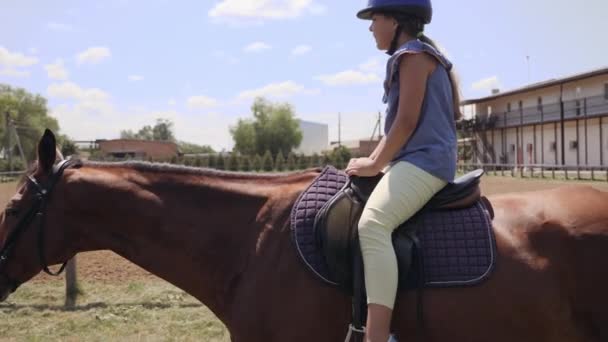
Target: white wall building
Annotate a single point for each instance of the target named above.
(315, 138)
(557, 122)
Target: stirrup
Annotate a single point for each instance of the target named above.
(351, 329)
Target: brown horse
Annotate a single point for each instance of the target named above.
(224, 238)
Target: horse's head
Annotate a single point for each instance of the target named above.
(28, 226)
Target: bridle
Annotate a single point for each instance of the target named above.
(36, 211)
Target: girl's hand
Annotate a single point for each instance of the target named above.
(362, 167)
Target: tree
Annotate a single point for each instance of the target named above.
(220, 162)
(212, 162)
(256, 163)
(190, 148)
(339, 156)
(279, 163)
(244, 137)
(267, 162)
(291, 161)
(235, 162)
(29, 114)
(314, 160)
(273, 128)
(68, 147)
(161, 131)
(245, 164)
(303, 162)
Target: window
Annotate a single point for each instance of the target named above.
(573, 144)
(578, 107)
(508, 106)
(521, 105)
(606, 91)
(489, 110)
(539, 104)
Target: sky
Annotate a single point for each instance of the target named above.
(106, 66)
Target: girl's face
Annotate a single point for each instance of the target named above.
(383, 28)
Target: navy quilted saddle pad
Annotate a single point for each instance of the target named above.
(458, 247)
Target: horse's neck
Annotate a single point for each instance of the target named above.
(194, 232)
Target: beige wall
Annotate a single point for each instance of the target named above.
(593, 86)
(546, 136)
(596, 149)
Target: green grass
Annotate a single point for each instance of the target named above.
(150, 311)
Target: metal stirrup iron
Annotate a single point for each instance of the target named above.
(351, 329)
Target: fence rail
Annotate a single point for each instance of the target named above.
(9, 176)
(578, 172)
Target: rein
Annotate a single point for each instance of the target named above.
(36, 211)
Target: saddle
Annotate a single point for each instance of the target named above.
(449, 242)
(336, 223)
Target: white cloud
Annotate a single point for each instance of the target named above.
(349, 77)
(171, 102)
(277, 90)
(57, 71)
(486, 84)
(15, 59)
(265, 9)
(301, 49)
(72, 91)
(201, 102)
(256, 47)
(59, 27)
(93, 55)
(371, 65)
(135, 78)
(10, 72)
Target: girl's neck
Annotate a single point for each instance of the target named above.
(404, 38)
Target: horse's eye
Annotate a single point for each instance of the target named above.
(11, 212)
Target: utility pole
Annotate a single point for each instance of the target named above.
(7, 131)
(528, 63)
(14, 129)
(377, 126)
(339, 130)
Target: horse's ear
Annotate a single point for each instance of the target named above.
(47, 151)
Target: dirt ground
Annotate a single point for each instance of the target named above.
(107, 267)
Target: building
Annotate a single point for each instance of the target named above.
(315, 138)
(357, 148)
(557, 122)
(138, 149)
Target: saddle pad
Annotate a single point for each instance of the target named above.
(303, 213)
(458, 247)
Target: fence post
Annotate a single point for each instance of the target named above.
(71, 284)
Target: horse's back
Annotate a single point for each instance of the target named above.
(549, 282)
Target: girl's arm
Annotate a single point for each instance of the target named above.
(413, 74)
(379, 147)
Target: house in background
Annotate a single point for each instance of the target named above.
(315, 138)
(557, 122)
(138, 149)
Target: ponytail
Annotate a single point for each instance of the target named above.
(452, 76)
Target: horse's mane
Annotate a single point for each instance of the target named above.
(152, 167)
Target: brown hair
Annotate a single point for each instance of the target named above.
(414, 27)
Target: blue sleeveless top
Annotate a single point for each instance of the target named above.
(433, 144)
